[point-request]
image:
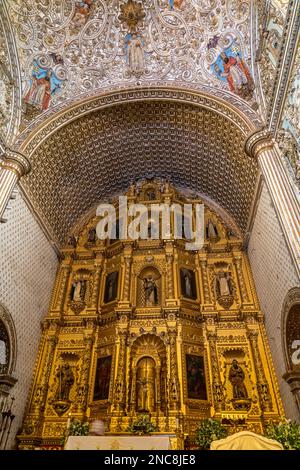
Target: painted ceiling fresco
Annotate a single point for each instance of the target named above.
(69, 49)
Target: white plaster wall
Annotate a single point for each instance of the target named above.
(28, 266)
(274, 274)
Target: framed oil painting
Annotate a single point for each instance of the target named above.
(195, 375)
(101, 389)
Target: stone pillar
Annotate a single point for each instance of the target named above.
(12, 167)
(262, 384)
(261, 146)
(293, 379)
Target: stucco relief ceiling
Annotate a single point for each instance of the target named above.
(100, 153)
(69, 49)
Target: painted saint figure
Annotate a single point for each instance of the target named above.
(231, 67)
(237, 377)
(135, 53)
(42, 85)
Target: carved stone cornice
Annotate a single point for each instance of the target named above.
(258, 142)
(15, 162)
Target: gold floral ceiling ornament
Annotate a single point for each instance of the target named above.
(132, 14)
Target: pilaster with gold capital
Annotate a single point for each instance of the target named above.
(12, 167)
(263, 147)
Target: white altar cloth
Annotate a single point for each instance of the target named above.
(120, 442)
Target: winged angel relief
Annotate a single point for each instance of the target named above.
(102, 45)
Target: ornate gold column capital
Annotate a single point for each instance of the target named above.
(15, 162)
(258, 142)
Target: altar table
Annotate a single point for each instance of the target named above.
(119, 442)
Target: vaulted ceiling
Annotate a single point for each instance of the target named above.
(100, 153)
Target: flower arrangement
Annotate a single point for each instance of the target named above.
(141, 426)
(209, 430)
(75, 428)
(286, 432)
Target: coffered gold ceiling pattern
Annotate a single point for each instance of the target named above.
(85, 47)
(100, 153)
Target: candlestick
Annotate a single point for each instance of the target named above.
(69, 420)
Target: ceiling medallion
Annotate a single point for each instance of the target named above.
(132, 14)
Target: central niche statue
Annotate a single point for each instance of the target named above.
(150, 288)
(237, 377)
(145, 385)
(65, 379)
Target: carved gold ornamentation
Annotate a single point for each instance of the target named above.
(168, 360)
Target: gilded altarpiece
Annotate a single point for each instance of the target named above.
(147, 327)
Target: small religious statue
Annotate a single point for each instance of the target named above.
(92, 235)
(150, 288)
(136, 57)
(65, 379)
(187, 278)
(78, 291)
(237, 377)
(224, 284)
(211, 230)
(143, 395)
(72, 241)
(111, 287)
(188, 284)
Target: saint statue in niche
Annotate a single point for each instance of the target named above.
(92, 235)
(111, 287)
(237, 377)
(211, 230)
(151, 294)
(188, 283)
(65, 380)
(145, 382)
(224, 284)
(135, 53)
(78, 291)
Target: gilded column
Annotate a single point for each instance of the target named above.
(40, 393)
(62, 286)
(262, 384)
(120, 384)
(205, 283)
(12, 167)
(98, 267)
(219, 399)
(83, 387)
(174, 391)
(283, 194)
(127, 260)
(170, 301)
(240, 277)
